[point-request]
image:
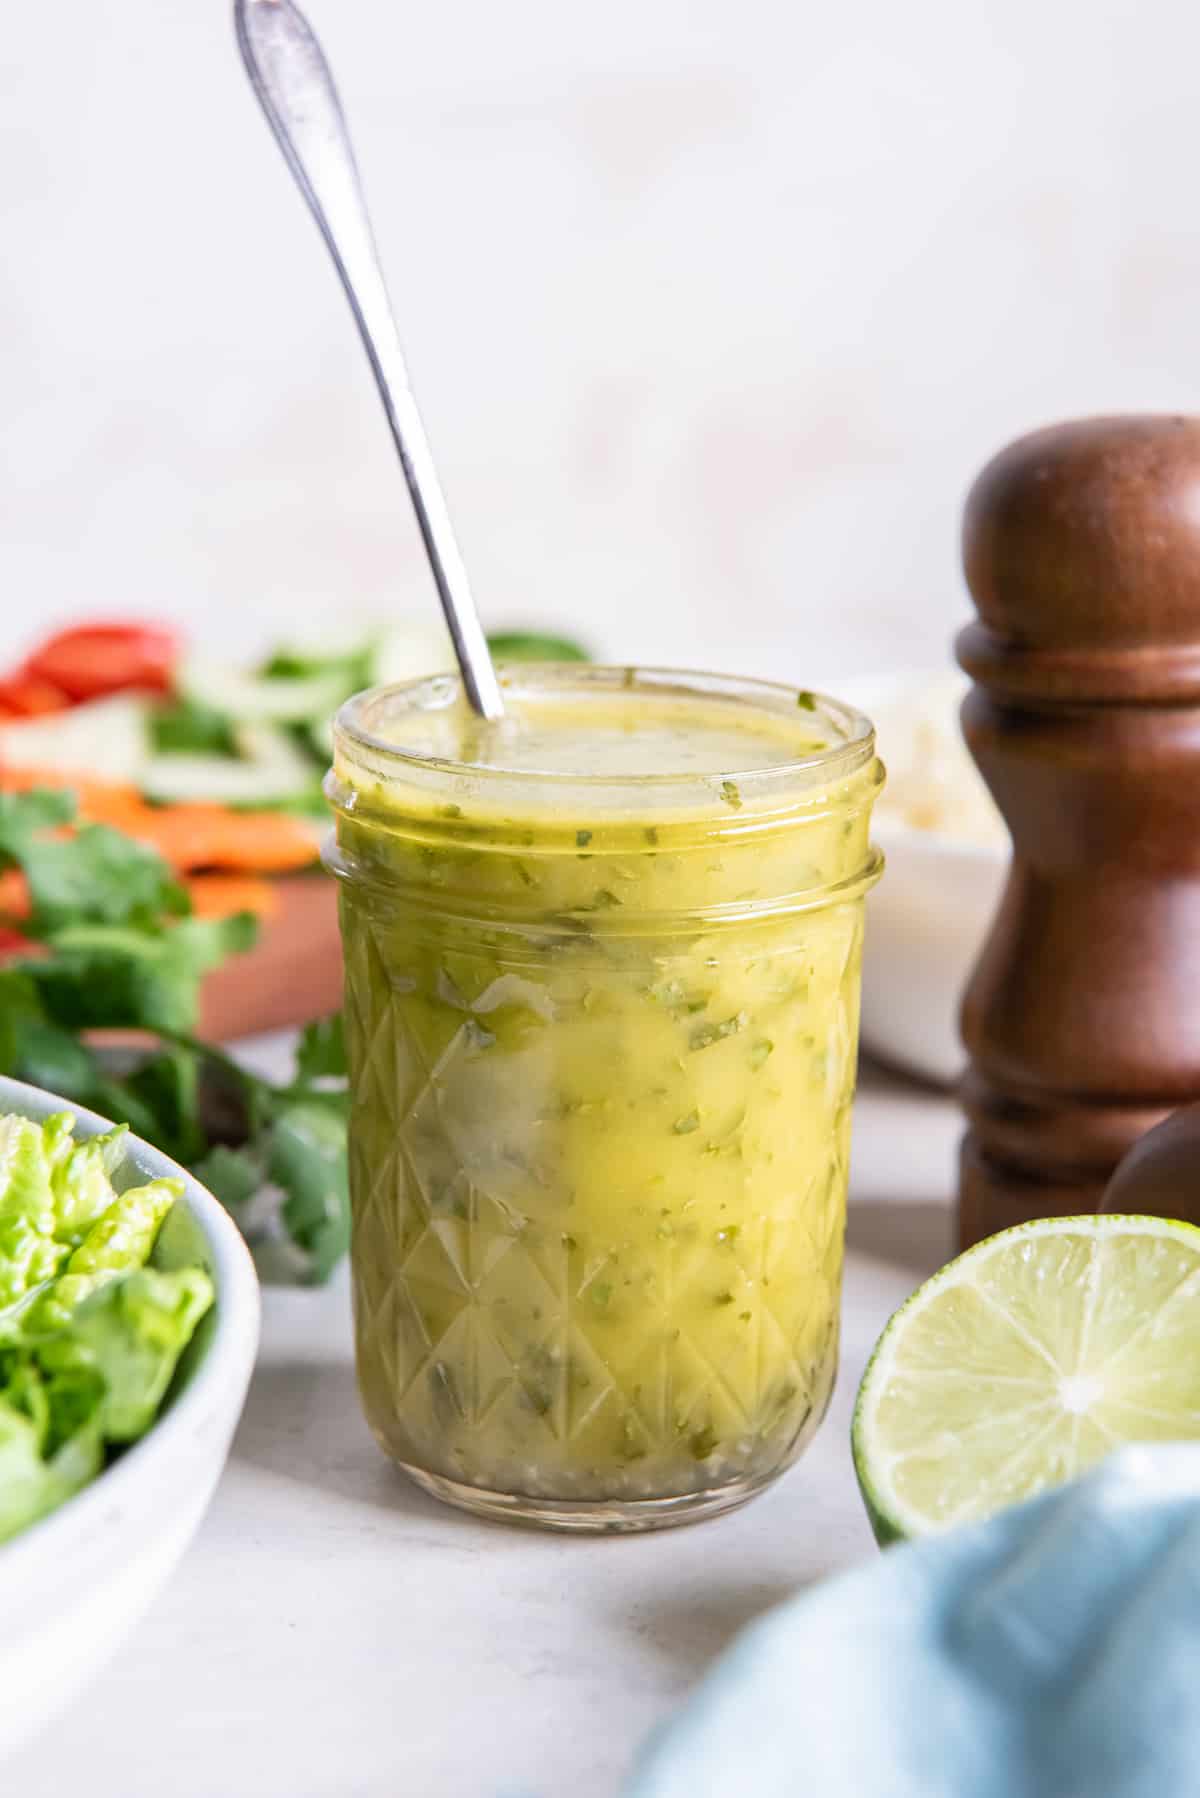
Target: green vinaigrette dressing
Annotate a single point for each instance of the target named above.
(602, 970)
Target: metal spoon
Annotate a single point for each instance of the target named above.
(295, 89)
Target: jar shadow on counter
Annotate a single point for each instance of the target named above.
(303, 1422)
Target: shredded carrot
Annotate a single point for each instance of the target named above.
(212, 836)
(103, 794)
(15, 902)
(221, 895)
(191, 836)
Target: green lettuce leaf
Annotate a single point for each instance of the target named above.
(32, 1484)
(29, 1253)
(118, 1241)
(81, 1177)
(90, 1336)
(132, 1333)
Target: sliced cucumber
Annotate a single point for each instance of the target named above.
(320, 735)
(270, 769)
(535, 646)
(183, 779)
(263, 699)
(323, 647)
(106, 739)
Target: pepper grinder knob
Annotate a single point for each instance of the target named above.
(1081, 546)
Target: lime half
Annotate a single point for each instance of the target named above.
(1023, 1362)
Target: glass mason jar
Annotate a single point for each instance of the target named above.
(602, 1031)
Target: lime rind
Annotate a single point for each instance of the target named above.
(892, 1518)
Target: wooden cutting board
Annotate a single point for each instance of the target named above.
(292, 975)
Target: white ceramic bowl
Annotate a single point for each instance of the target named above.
(929, 915)
(926, 921)
(74, 1585)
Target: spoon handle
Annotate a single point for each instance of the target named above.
(295, 89)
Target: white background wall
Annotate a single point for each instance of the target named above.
(713, 309)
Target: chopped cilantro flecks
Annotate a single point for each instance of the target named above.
(704, 1035)
(682, 1000)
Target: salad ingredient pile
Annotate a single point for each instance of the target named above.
(148, 802)
(126, 706)
(90, 1332)
(102, 939)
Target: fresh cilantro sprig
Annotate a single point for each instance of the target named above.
(110, 943)
(287, 1180)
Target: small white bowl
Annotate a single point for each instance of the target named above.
(929, 915)
(926, 922)
(74, 1585)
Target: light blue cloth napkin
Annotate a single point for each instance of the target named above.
(1053, 1652)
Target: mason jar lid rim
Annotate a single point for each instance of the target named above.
(854, 747)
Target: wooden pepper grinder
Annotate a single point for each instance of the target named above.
(1082, 1020)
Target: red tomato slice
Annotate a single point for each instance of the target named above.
(93, 659)
(28, 696)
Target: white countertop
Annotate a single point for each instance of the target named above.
(335, 1634)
